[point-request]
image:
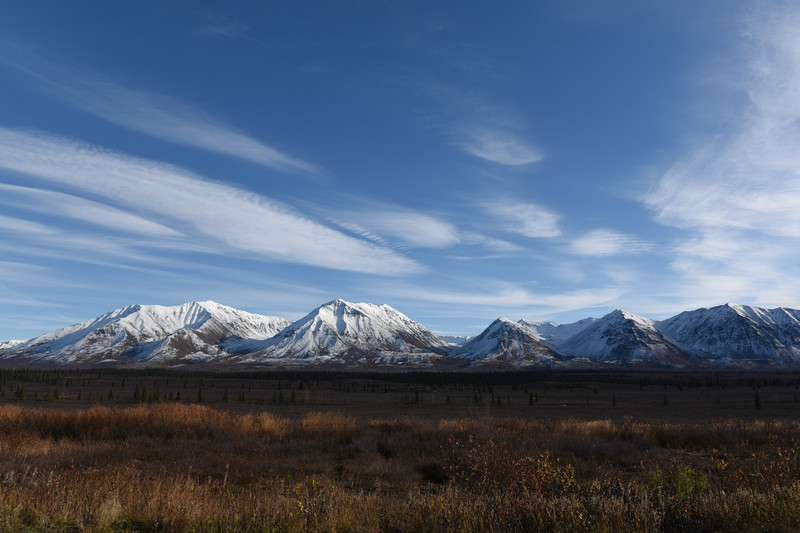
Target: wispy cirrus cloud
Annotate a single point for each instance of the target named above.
(738, 196)
(388, 223)
(498, 245)
(723, 266)
(482, 128)
(216, 24)
(393, 225)
(601, 242)
(498, 298)
(157, 115)
(21, 226)
(525, 218)
(747, 178)
(493, 144)
(218, 214)
(60, 204)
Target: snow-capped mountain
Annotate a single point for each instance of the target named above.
(358, 334)
(552, 334)
(150, 333)
(737, 332)
(621, 337)
(7, 345)
(455, 340)
(344, 331)
(508, 342)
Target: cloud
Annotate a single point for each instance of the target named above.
(738, 195)
(607, 242)
(392, 225)
(497, 245)
(492, 144)
(412, 228)
(749, 177)
(39, 240)
(95, 213)
(480, 127)
(526, 219)
(505, 299)
(233, 218)
(24, 273)
(723, 267)
(159, 116)
(20, 226)
(217, 24)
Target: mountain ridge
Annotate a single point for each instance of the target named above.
(366, 335)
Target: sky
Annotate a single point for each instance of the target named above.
(459, 161)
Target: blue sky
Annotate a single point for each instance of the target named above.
(459, 161)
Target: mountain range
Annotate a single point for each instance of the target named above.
(364, 335)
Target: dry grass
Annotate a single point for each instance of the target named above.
(171, 467)
(318, 425)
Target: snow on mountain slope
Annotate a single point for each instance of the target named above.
(621, 337)
(7, 345)
(508, 342)
(736, 332)
(145, 332)
(353, 331)
(455, 340)
(363, 333)
(553, 334)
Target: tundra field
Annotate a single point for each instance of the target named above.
(120, 450)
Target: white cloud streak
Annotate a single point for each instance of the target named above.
(95, 213)
(526, 219)
(601, 242)
(215, 212)
(393, 225)
(749, 178)
(739, 195)
(507, 300)
(160, 116)
(497, 146)
(483, 129)
(413, 229)
(21, 226)
(498, 245)
(217, 24)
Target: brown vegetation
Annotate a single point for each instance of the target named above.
(167, 451)
(177, 467)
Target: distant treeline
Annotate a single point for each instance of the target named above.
(664, 379)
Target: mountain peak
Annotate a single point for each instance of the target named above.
(338, 302)
(365, 333)
(207, 303)
(733, 308)
(507, 341)
(621, 313)
(621, 337)
(341, 329)
(142, 332)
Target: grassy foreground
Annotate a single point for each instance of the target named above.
(189, 467)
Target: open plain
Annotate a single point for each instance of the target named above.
(110, 450)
